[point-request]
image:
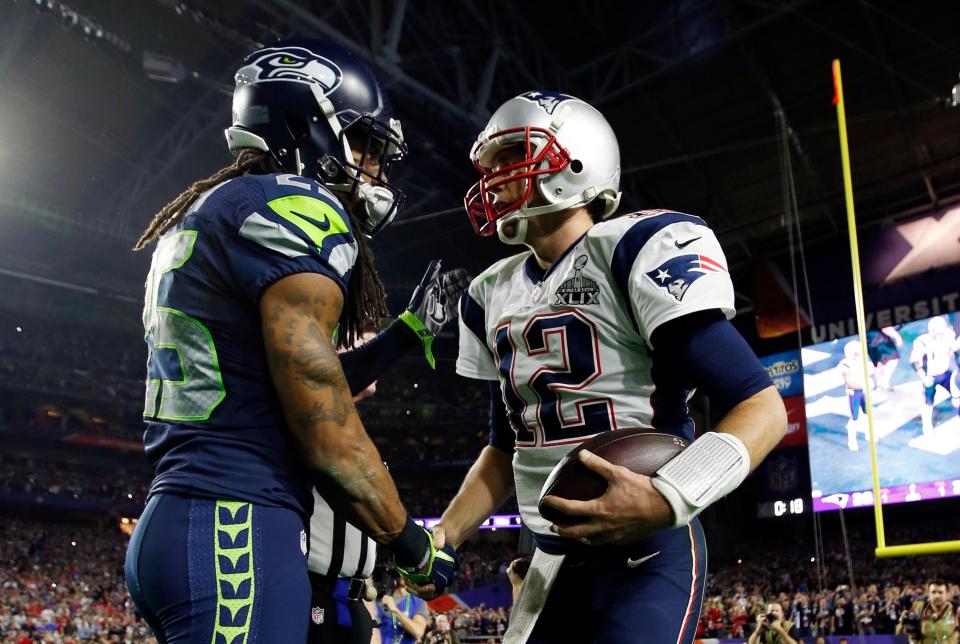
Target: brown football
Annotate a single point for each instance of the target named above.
(642, 451)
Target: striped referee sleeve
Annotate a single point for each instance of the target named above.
(337, 548)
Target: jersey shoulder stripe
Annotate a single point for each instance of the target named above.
(473, 316)
(298, 216)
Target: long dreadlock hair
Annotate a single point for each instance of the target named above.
(366, 301)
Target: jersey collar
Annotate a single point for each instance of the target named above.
(536, 274)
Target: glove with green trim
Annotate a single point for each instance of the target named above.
(434, 303)
(441, 567)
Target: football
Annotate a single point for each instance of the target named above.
(642, 451)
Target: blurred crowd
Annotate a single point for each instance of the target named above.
(64, 583)
(19, 475)
(70, 381)
(820, 598)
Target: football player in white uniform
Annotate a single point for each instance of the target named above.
(851, 370)
(599, 327)
(932, 358)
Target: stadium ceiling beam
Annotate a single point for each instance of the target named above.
(376, 26)
(210, 111)
(293, 13)
(840, 38)
(921, 152)
(622, 59)
(395, 29)
(486, 83)
(760, 74)
(713, 195)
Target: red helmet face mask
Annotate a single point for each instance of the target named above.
(484, 206)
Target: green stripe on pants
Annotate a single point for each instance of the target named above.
(233, 552)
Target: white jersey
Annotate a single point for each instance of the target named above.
(854, 367)
(935, 353)
(571, 346)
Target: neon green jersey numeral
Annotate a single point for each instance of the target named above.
(200, 389)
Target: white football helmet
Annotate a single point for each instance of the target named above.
(937, 326)
(571, 157)
(851, 350)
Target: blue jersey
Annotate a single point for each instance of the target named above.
(215, 428)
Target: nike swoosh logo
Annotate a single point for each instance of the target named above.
(323, 224)
(633, 563)
(686, 243)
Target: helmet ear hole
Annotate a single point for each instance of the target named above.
(576, 166)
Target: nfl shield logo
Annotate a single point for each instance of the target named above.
(316, 614)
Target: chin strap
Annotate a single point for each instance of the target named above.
(523, 213)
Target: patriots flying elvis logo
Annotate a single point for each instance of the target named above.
(547, 100)
(291, 64)
(677, 273)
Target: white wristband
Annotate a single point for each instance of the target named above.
(713, 466)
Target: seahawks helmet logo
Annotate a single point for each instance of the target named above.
(547, 100)
(290, 64)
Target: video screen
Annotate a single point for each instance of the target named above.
(915, 390)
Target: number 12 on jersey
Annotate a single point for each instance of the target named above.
(545, 374)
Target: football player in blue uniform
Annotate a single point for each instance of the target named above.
(602, 323)
(255, 270)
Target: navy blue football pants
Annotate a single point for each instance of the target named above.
(651, 592)
(224, 572)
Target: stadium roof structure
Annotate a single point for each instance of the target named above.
(108, 109)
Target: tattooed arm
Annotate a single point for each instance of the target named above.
(299, 314)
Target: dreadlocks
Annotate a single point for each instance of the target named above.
(366, 301)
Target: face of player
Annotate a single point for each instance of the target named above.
(370, 162)
(507, 156)
(938, 595)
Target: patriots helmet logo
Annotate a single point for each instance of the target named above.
(547, 100)
(291, 64)
(677, 273)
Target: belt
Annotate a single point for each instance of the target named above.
(356, 586)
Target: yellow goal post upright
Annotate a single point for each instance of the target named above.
(882, 550)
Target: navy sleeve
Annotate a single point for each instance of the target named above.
(363, 365)
(502, 435)
(703, 350)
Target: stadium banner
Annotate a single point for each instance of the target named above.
(784, 370)
(796, 435)
(784, 474)
(104, 441)
(786, 373)
(910, 272)
(832, 639)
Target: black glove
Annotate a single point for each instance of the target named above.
(434, 303)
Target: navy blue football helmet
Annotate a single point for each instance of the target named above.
(320, 112)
